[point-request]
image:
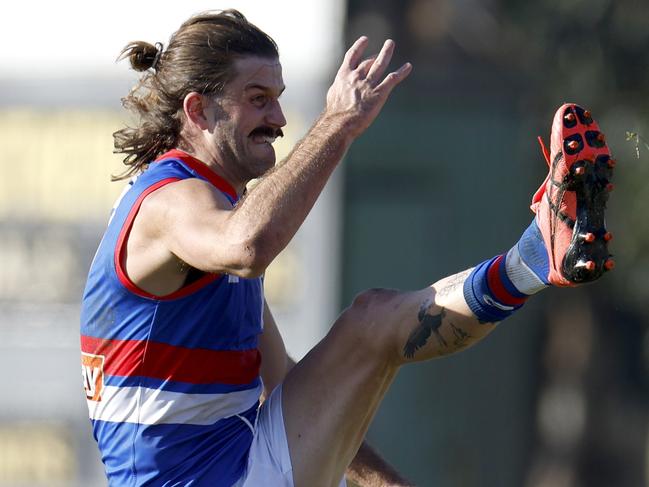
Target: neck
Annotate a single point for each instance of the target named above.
(214, 163)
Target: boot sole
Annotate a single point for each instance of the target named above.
(589, 176)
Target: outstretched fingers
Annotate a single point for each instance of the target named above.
(364, 67)
(361, 86)
(394, 78)
(381, 63)
(374, 68)
(354, 54)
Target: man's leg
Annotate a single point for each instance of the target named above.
(331, 396)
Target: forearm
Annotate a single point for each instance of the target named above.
(369, 469)
(270, 215)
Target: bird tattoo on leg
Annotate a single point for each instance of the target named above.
(428, 324)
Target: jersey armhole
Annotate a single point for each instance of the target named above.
(120, 254)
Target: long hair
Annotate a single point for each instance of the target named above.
(199, 58)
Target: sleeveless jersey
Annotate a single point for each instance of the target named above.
(172, 383)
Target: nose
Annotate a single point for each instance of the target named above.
(275, 115)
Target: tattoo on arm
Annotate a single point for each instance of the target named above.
(428, 324)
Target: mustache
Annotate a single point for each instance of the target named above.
(267, 131)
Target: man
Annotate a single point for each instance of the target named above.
(177, 341)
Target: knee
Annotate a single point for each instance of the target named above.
(369, 322)
(372, 298)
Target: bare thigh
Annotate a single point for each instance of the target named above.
(332, 394)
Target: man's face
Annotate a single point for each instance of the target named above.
(247, 118)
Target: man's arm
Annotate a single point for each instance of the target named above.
(367, 469)
(194, 225)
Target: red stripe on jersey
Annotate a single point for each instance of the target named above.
(120, 253)
(202, 169)
(168, 362)
(498, 289)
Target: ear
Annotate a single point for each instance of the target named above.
(194, 106)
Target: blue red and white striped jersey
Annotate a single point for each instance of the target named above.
(172, 383)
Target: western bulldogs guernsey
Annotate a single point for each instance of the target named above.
(172, 383)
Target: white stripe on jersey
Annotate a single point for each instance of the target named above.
(119, 199)
(155, 406)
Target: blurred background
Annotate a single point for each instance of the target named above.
(557, 396)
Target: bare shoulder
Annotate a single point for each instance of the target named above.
(187, 195)
(188, 220)
(181, 200)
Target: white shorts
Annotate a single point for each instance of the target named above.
(269, 462)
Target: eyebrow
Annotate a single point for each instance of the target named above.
(262, 88)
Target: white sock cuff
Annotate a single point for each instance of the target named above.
(522, 277)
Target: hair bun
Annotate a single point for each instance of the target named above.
(142, 55)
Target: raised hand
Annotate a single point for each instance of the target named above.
(360, 88)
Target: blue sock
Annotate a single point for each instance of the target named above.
(497, 287)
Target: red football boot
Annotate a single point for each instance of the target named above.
(570, 204)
